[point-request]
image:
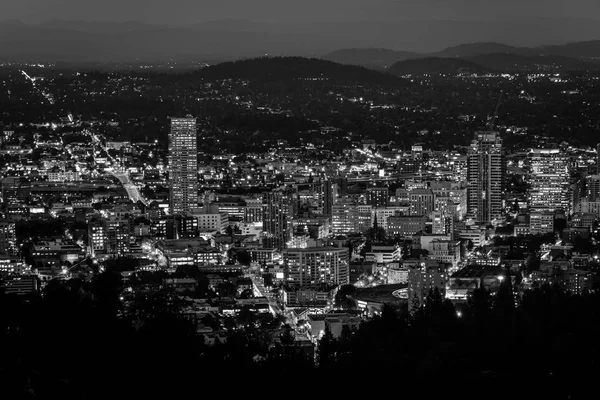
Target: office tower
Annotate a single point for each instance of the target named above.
(187, 226)
(317, 265)
(275, 219)
(459, 168)
(254, 210)
(405, 225)
(549, 180)
(365, 217)
(442, 223)
(421, 202)
(109, 236)
(423, 279)
(8, 238)
(344, 217)
(378, 197)
(598, 159)
(593, 188)
(15, 189)
(118, 235)
(97, 236)
(541, 222)
(485, 177)
(328, 197)
(183, 165)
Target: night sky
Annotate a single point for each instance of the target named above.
(190, 11)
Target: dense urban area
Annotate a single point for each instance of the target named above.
(296, 222)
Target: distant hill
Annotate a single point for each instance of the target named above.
(519, 63)
(370, 58)
(435, 66)
(270, 69)
(474, 49)
(588, 49)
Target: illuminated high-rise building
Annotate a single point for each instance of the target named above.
(549, 180)
(344, 217)
(593, 188)
(421, 201)
(378, 196)
(183, 165)
(598, 159)
(316, 266)
(97, 237)
(485, 177)
(109, 236)
(277, 216)
(8, 237)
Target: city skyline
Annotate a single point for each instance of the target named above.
(288, 193)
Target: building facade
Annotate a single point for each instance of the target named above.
(317, 265)
(183, 165)
(485, 177)
(549, 180)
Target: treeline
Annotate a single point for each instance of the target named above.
(78, 342)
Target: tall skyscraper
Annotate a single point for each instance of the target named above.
(485, 177)
(598, 159)
(328, 197)
(276, 219)
(8, 237)
(549, 180)
(593, 188)
(183, 165)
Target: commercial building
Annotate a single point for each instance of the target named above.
(8, 237)
(549, 180)
(344, 217)
(378, 196)
(109, 236)
(382, 216)
(421, 201)
(277, 213)
(423, 279)
(317, 265)
(541, 222)
(447, 251)
(183, 165)
(212, 222)
(365, 217)
(383, 254)
(20, 285)
(485, 177)
(406, 225)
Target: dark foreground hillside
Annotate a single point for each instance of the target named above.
(72, 344)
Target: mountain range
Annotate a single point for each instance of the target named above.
(477, 57)
(84, 41)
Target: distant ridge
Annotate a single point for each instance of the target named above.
(520, 63)
(577, 56)
(277, 69)
(436, 66)
(370, 57)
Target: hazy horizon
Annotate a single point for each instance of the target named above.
(192, 11)
(242, 28)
